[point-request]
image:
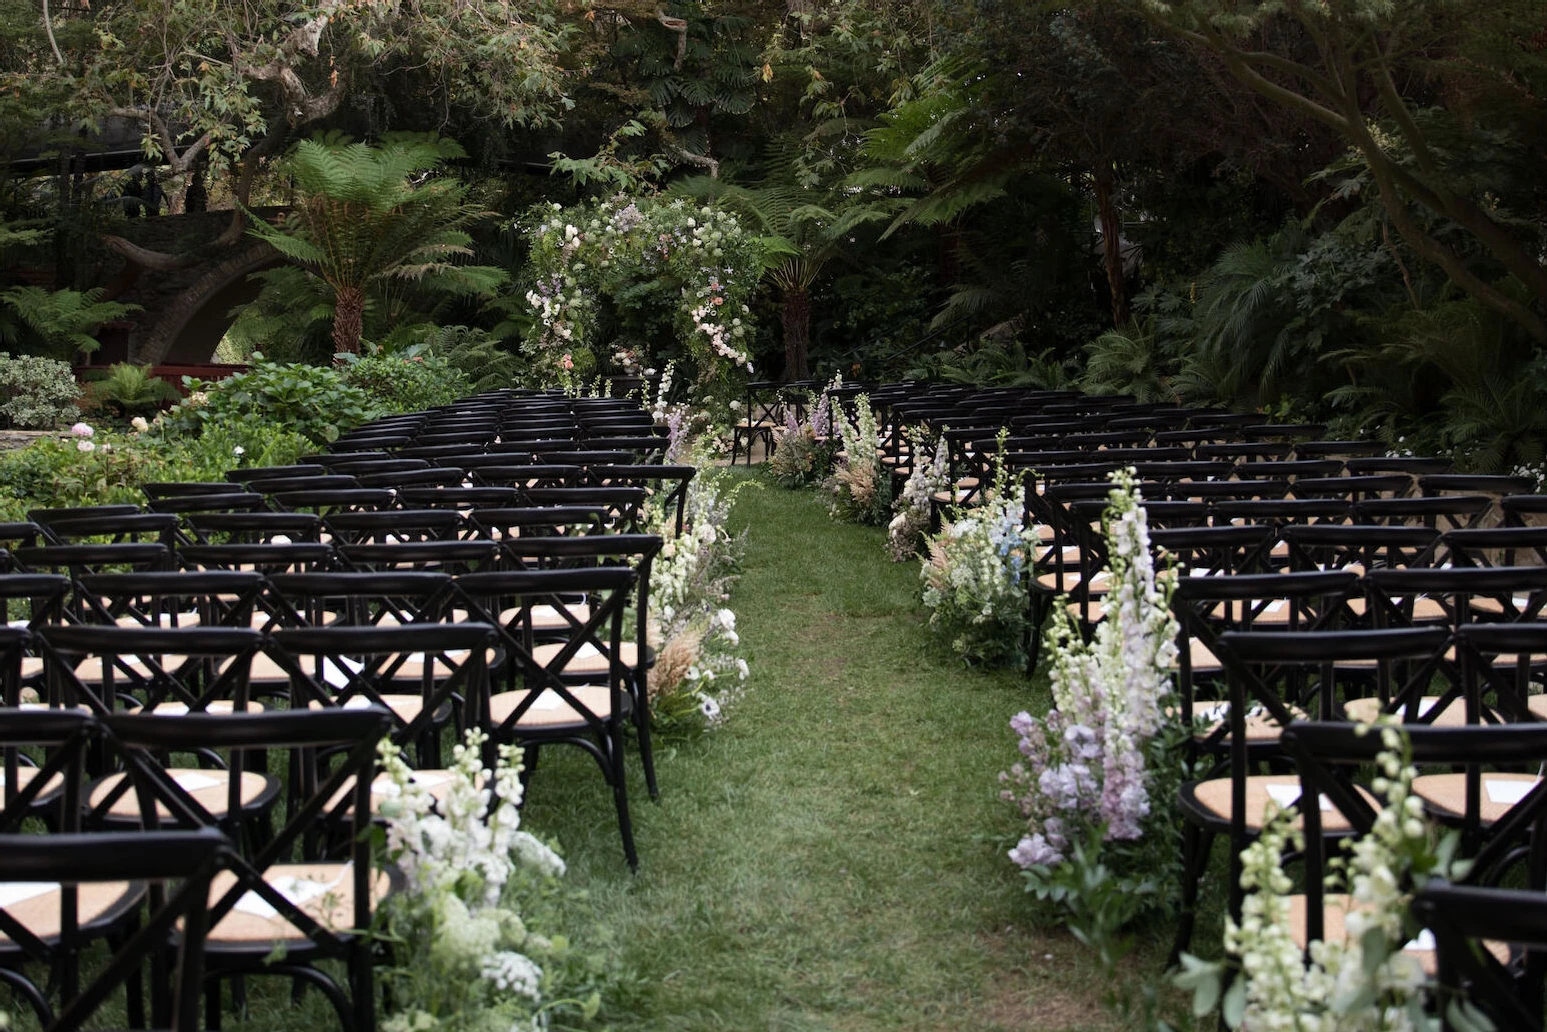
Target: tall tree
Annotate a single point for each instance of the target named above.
(1418, 90)
(223, 86)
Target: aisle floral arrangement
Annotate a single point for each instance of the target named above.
(860, 489)
(466, 952)
(700, 259)
(910, 523)
(1093, 766)
(1362, 983)
(976, 576)
(698, 673)
(802, 452)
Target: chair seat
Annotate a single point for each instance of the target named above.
(404, 707)
(1366, 710)
(324, 891)
(1445, 794)
(1334, 915)
(1425, 609)
(436, 782)
(551, 710)
(208, 788)
(27, 775)
(1212, 798)
(36, 906)
(1261, 728)
(588, 659)
(1054, 581)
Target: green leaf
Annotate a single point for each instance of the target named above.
(1234, 1006)
(1375, 947)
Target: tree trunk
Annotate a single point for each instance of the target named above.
(348, 320)
(795, 315)
(1111, 243)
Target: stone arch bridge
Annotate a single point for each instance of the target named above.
(187, 310)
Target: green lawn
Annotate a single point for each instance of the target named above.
(834, 857)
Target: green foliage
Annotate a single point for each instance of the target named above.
(406, 380)
(39, 393)
(474, 355)
(127, 390)
(62, 322)
(991, 363)
(57, 472)
(313, 401)
(291, 319)
(370, 216)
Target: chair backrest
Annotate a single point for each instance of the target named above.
(190, 858)
(590, 602)
(1494, 546)
(349, 667)
(360, 598)
(1328, 755)
(105, 668)
(1336, 546)
(332, 753)
(163, 598)
(1464, 917)
(56, 742)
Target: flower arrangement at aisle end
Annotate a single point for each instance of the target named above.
(859, 489)
(466, 951)
(905, 534)
(698, 673)
(1364, 982)
(1093, 765)
(803, 452)
(976, 576)
(695, 262)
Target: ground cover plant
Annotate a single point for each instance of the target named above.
(833, 857)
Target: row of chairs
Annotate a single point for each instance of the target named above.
(228, 622)
(166, 882)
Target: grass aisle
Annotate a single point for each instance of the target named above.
(830, 860)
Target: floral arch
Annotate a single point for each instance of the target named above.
(605, 276)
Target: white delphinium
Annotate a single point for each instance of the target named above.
(913, 507)
(1341, 989)
(460, 850)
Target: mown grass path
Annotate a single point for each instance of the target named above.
(833, 859)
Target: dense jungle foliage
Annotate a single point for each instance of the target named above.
(1333, 210)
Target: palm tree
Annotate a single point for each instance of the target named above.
(369, 215)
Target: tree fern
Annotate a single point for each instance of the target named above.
(372, 214)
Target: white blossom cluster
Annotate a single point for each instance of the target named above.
(690, 625)
(977, 574)
(459, 855)
(914, 505)
(1341, 989)
(580, 254)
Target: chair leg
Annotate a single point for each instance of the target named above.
(362, 988)
(646, 753)
(620, 798)
(1197, 845)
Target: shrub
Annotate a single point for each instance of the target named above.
(313, 401)
(74, 471)
(127, 390)
(40, 393)
(408, 380)
(90, 468)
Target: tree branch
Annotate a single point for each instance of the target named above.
(48, 29)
